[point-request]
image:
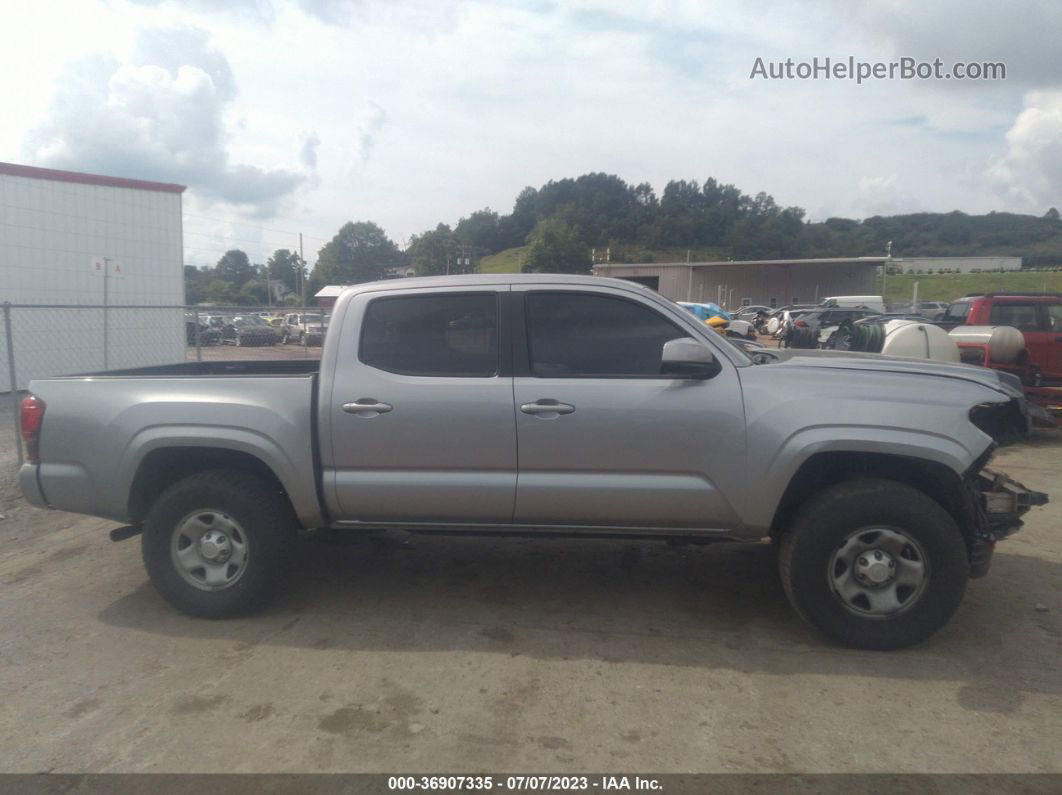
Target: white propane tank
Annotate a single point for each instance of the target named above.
(919, 341)
(1005, 343)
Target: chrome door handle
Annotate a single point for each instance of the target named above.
(367, 407)
(547, 408)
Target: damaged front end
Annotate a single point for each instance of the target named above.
(1006, 421)
(996, 504)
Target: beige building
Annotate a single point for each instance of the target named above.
(961, 264)
(753, 282)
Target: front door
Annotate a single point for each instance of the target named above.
(421, 410)
(604, 438)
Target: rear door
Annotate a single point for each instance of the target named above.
(1052, 368)
(604, 438)
(421, 410)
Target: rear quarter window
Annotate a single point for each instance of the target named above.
(1023, 317)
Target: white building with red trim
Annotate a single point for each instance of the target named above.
(74, 239)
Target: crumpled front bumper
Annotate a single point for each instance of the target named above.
(998, 503)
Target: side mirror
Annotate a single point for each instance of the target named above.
(688, 358)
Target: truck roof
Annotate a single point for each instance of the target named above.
(484, 279)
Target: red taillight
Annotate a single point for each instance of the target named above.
(801, 324)
(30, 420)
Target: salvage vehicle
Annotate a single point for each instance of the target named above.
(874, 302)
(574, 406)
(248, 330)
(206, 336)
(814, 329)
(1038, 316)
(304, 329)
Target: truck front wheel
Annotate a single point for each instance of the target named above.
(215, 543)
(875, 564)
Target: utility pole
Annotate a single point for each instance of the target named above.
(885, 273)
(302, 274)
(106, 279)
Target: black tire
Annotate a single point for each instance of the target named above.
(265, 520)
(828, 518)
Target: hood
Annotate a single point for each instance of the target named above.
(875, 362)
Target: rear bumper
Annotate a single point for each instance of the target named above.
(30, 485)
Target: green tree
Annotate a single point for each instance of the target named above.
(220, 291)
(283, 267)
(431, 252)
(480, 230)
(554, 247)
(360, 252)
(253, 293)
(195, 284)
(235, 268)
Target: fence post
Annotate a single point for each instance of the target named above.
(16, 414)
(198, 350)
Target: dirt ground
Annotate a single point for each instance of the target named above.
(466, 655)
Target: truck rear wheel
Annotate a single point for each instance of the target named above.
(215, 543)
(875, 564)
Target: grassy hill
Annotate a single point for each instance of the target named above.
(508, 261)
(948, 286)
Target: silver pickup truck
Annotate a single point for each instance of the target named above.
(545, 406)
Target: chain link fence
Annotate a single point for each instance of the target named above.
(45, 340)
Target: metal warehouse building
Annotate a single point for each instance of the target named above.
(760, 282)
(68, 238)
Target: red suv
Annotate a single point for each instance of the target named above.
(1037, 316)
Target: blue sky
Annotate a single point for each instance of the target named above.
(297, 115)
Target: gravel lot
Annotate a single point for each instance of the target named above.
(501, 655)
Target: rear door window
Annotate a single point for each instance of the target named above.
(1021, 316)
(452, 335)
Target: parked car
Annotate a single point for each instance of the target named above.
(705, 310)
(813, 329)
(248, 330)
(756, 315)
(308, 328)
(207, 335)
(781, 321)
(1037, 316)
(586, 407)
(874, 302)
(930, 310)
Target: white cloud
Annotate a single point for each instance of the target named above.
(159, 116)
(413, 112)
(1030, 171)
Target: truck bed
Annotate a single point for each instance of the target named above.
(100, 428)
